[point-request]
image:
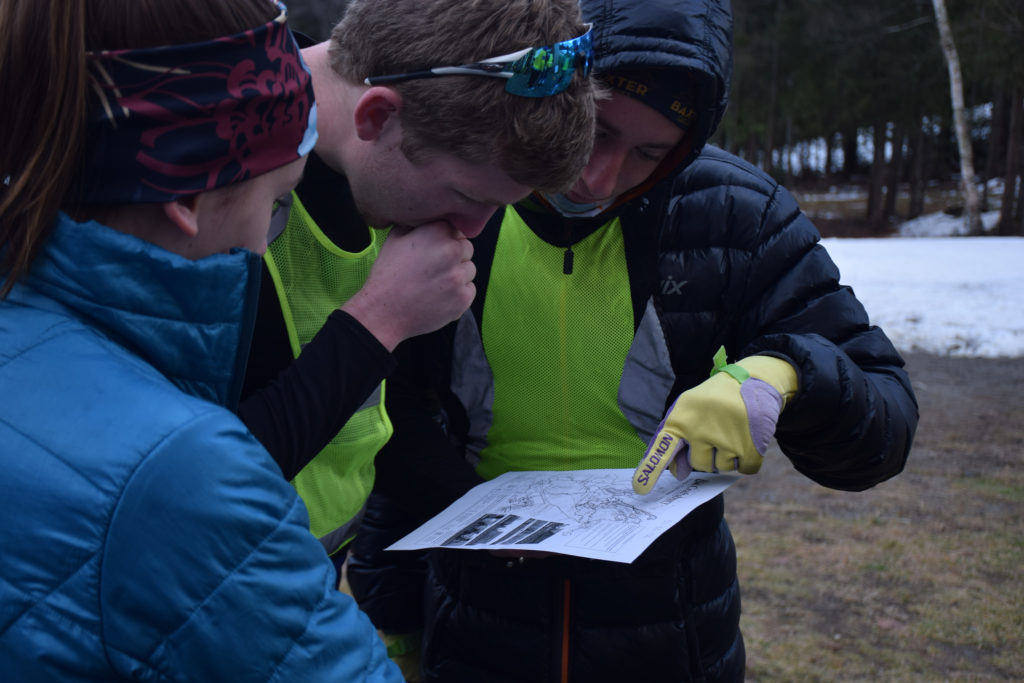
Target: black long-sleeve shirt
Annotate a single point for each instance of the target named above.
(295, 406)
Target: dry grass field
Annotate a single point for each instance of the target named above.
(918, 579)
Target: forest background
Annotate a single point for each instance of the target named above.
(830, 96)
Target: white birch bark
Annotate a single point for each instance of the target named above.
(972, 201)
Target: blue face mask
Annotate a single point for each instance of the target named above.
(571, 209)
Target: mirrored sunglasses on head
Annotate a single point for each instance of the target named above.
(530, 72)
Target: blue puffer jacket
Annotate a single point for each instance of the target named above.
(146, 534)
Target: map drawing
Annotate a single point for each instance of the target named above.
(588, 513)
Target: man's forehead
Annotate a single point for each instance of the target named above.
(497, 191)
(482, 181)
(621, 115)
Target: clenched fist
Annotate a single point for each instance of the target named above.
(421, 281)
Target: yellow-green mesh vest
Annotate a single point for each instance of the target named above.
(313, 277)
(556, 345)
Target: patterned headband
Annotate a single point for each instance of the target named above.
(174, 121)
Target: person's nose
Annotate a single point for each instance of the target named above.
(601, 174)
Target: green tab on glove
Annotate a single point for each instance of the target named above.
(723, 424)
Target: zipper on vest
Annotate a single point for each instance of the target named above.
(568, 257)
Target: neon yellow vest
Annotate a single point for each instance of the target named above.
(556, 345)
(313, 277)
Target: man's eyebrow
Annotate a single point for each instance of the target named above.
(615, 130)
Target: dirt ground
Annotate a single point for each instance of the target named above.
(918, 579)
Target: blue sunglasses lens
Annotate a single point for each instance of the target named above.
(545, 71)
(540, 72)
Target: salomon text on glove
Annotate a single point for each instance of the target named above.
(723, 424)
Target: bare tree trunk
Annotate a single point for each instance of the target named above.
(849, 143)
(1007, 219)
(773, 91)
(963, 139)
(919, 151)
(998, 131)
(875, 216)
(805, 158)
(895, 173)
(787, 160)
(1019, 212)
(829, 140)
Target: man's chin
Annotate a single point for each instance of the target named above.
(377, 222)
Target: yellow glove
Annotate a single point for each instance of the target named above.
(723, 424)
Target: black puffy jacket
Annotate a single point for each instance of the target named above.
(739, 266)
(727, 258)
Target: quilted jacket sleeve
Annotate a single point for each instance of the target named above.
(210, 572)
(852, 422)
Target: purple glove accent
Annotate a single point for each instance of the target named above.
(680, 465)
(764, 405)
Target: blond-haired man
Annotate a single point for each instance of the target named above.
(431, 115)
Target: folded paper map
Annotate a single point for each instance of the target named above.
(588, 513)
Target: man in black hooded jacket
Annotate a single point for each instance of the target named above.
(597, 318)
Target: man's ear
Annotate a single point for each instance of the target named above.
(184, 213)
(375, 108)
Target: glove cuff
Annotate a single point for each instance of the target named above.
(775, 371)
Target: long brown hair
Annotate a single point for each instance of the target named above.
(44, 90)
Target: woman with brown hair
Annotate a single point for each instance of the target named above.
(146, 533)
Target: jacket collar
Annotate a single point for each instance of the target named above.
(191, 320)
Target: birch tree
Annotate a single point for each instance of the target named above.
(972, 200)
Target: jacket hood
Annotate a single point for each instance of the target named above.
(693, 37)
